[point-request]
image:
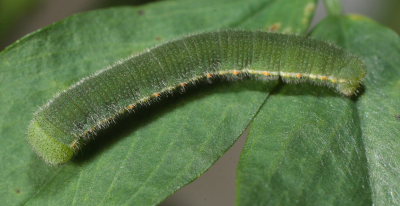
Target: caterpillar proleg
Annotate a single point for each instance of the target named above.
(64, 123)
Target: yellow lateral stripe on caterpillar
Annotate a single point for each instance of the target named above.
(209, 75)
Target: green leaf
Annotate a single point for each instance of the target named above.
(148, 155)
(304, 149)
(312, 147)
(379, 106)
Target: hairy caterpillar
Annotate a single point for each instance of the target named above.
(66, 121)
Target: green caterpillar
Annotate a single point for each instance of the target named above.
(66, 121)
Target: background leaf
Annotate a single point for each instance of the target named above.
(312, 147)
(153, 153)
(304, 149)
(378, 107)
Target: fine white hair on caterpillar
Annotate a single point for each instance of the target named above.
(61, 126)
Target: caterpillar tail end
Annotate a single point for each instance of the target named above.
(348, 89)
(48, 148)
(351, 85)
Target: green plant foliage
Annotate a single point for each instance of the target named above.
(153, 153)
(378, 108)
(316, 148)
(307, 145)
